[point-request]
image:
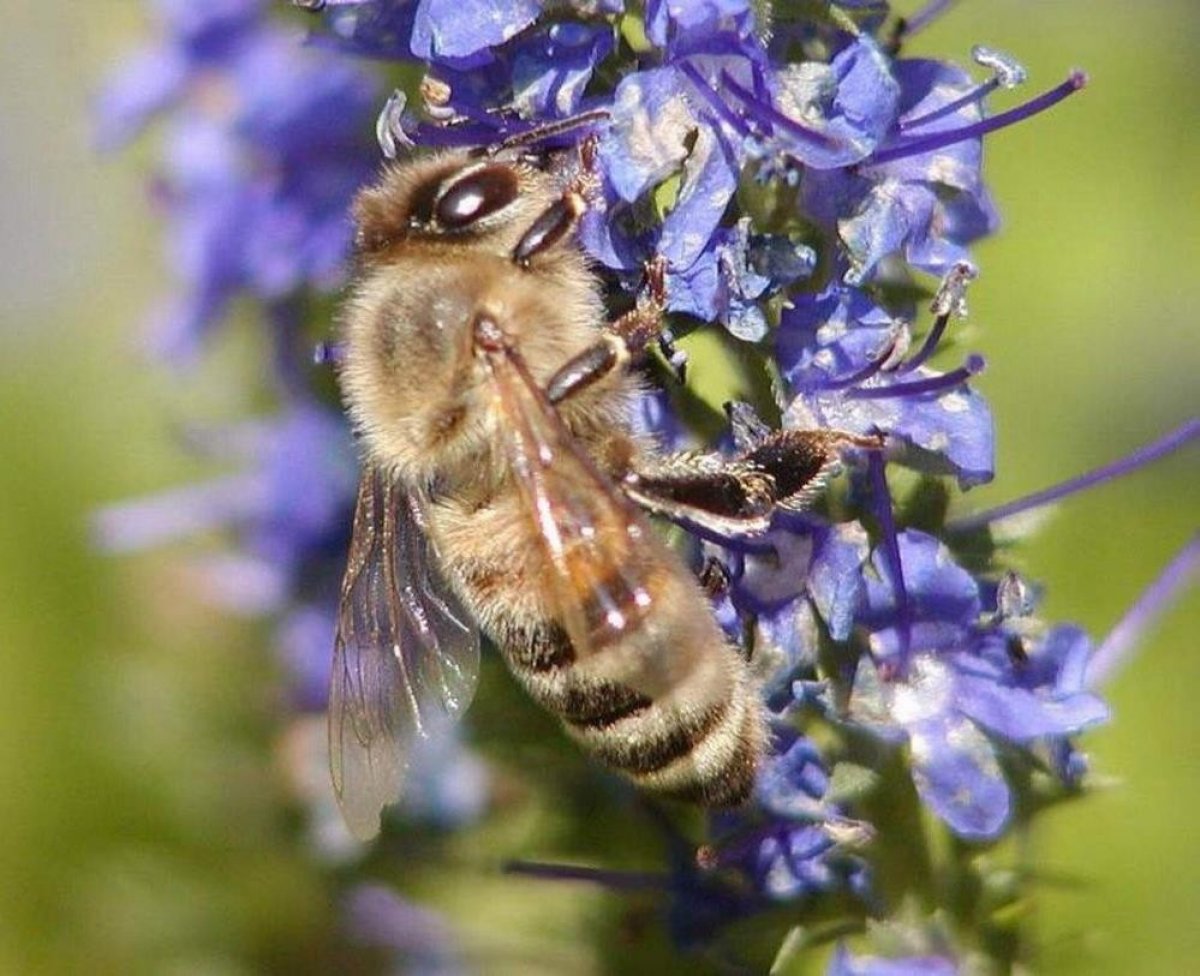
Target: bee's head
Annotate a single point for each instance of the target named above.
(442, 240)
(453, 200)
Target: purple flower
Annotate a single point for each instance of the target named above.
(419, 941)
(686, 26)
(801, 572)
(265, 146)
(735, 274)
(844, 964)
(793, 782)
(784, 860)
(553, 67)
(657, 132)
(931, 205)
(303, 639)
(961, 692)
(797, 844)
(842, 356)
(461, 32)
(288, 505)
(825, 116)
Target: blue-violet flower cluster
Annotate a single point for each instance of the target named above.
(803, 180)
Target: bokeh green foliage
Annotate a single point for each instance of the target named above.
(145, 826)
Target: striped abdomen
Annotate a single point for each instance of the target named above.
(701, 740)
(669, 703)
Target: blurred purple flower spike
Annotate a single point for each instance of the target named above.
(265, 146)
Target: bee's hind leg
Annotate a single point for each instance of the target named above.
(739, 495)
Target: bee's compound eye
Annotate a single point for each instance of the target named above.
(478, 194)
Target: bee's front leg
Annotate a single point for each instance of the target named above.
(554, 225)
(558, 221)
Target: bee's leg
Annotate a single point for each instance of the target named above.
(552, 226)
(646, 322)
(709, 490)
(559, 220)
(784, 469)
(800, 461)
(713, 578)
(624, 341)
(583, 370)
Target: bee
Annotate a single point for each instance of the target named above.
(501, 492)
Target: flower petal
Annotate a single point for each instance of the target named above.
(957, 775)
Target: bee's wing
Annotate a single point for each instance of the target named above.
(604, 559)
(405, 656)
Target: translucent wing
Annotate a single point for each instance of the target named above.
(605, 563)
(406, 656)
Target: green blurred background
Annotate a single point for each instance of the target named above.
(143, 825)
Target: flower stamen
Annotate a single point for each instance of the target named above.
(939, 140)
(1108, 472)
(1007, 73)
(727, 115)
(924, 17)
(934, 384)
(1116, 650)
(860, 376)
(950, 299)
(770, 116)
(978, 93)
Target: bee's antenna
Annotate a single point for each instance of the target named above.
(548, 130)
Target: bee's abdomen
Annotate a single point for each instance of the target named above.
(661, 698)
(700, 739)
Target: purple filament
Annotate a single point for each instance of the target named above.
(770, 114)
(728, 115)
(938, 140)
(928, 346)
(1138, 459)
(1116, 650)
(860, 376)
(935, 384)
(925, 16)
(974, 95)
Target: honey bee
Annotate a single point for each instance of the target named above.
(500, 491)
